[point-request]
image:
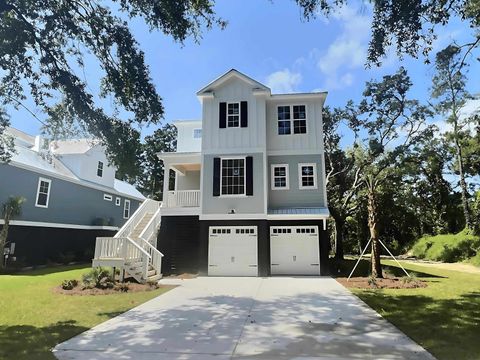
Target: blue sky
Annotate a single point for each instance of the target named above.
(269, 41)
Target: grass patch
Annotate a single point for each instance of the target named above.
(448, 247)
(444, 317)
(33, 318)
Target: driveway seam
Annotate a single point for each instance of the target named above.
(246, 318)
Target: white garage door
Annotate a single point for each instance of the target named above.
(232, 251)
(294, 250)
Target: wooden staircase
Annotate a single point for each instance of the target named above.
(133, 249)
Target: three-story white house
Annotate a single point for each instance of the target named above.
(249, 197)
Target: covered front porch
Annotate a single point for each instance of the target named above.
(181, 184)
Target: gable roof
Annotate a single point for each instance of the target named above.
(228, 75)
(69, 147)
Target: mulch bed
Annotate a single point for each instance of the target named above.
(183, 276)
(385, 283)
(132, 288)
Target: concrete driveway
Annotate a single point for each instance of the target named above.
(247, 318)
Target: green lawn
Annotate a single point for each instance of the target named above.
(444, 317)
(33, 319)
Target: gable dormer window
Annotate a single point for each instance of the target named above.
(197, 133)
(100, 169)
(233, 114)
(287, 113)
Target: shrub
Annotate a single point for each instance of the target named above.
(448, 247)
(99, 278)
(69, 284)
(122, 287)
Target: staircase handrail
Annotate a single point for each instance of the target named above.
(151, 227)
(127, 228)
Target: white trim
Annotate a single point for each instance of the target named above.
(125, 208)
(244, 177)
(300, 96)
(70, 179)
(231, 216)
(107, 197)
(49, 181)
(186, 211)
(261, 216)
(59, 225)
(315, 180)
(295, 152)
(118, 201)
(287, 177)
(232, 150)
(239, 114)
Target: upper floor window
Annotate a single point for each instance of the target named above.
(197, 133)
(280, 179)
(43, 192)
(100, 169)
(233, 177)
(233, 114)
(126, 209)
(287, 113)
(307, 176)
(299, 119)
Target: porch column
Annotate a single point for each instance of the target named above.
(166, 180)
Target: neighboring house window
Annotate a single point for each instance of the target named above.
(287, 113)
(107, 197)
(43, 192)
(280, 180)
(126, 209)
(307, 176)
(233, 114)
(284, 120)
(118, 201)
(299, 119)
(100, 169)
(233, 176)
(197, 133)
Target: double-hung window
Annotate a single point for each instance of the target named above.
(126, 209)
(307, 176)
(280, 179)
(233, 114)
(197, 133)
(299, 119)
(286, 114)
(43, 192)
(284, 123)
(233, 177)
(100, 169)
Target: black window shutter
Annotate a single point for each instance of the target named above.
(216, 176)
(244, 114)
(249, 173)
(222, 115)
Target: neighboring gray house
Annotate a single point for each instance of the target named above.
(249, 196)
(71, 195)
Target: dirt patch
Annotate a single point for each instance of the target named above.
(119, 288)
(183, 276)
(386, 283)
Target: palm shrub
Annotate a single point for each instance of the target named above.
(10, 209)
(98, 277)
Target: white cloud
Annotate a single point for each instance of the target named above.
(284, 81)
(348, 50)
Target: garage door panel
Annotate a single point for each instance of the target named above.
(233, 251)
(295, 250)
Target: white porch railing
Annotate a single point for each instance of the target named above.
(183, 198)
(148, 206)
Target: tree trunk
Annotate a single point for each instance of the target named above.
(463, 186)
(339, 230)
(3, 241)
(372, 225)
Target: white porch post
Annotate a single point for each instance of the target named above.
(166, 179)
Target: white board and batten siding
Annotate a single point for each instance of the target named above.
(294, 250)
(231, 140)
(232, 251)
